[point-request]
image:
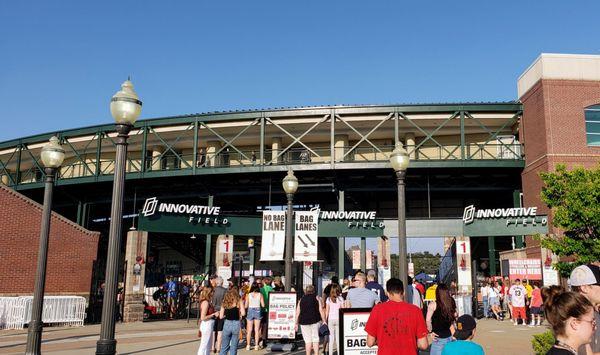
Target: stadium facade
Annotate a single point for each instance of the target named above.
(486, 155)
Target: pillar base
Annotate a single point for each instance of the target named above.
(133, 311)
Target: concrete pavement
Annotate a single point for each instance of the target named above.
(180, 337)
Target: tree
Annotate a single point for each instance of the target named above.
(423, 262)
(574, 197)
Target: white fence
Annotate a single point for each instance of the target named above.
(15, 312)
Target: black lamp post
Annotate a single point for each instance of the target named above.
(290, 186)
(399, 161)
(52, 157)
(125, 107)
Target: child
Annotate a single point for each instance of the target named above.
(464, 334)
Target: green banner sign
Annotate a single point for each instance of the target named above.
(250, 226)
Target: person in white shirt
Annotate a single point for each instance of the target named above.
(485, 291)
(518, 293)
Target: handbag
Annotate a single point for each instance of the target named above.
(323, 330)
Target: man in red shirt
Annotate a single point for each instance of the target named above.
(396, 327)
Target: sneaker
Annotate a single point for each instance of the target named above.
(248, 347)
(516, 323)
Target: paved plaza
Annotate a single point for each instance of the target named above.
(180, 337)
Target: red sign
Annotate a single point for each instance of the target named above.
(530, 269)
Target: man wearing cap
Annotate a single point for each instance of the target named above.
(464, 334)
(585, 279)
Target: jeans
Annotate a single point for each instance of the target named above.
(334, 332)
(485, 307)
(230, 337)
(438, 345)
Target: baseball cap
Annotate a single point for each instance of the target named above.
(465, 325)
(585, 275)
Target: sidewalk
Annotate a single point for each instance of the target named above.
(180, 337)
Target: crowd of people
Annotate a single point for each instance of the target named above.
(400, 323)
(227, 313)
(518, 301)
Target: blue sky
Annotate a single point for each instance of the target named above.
(61, 61)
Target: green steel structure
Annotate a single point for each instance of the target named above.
(315, 138)
(461, 154)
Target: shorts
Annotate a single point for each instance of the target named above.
(519, 312)
(219, 323)
(310, 332)
(254, 314)
(536, 310)
(494, 301)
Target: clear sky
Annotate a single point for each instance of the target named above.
(61, 61)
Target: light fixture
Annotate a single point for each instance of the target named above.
(125, 105)
(53, 154)
(193, 236)
(399, 158)
(290, 183)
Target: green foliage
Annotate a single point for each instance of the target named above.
(574, 197)
(541, 343)
(423, 262)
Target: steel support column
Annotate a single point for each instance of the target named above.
(341, 241)
(107, 345)
(34, 331)
(208, 247)
(289, 250)
(492, 254)
(462, 135)
(402, 248)
(517, 203)
(363, 254)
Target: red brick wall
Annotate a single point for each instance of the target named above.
(71, 252)
(553, 132)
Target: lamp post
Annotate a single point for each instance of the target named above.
(52, 157)
(399, 161)
(125, 108)
(290, 186)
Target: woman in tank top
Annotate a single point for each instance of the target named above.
(332, 310)
(254, 303)
(232, 310)
(207, 320)
(309, 314)
(441, 315)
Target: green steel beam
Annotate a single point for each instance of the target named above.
(332, 139)
(144, 148)
(262, 140)
(195, 165)
(291, 112)
(462, 135)
(365, 137)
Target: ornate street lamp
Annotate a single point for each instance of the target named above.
(52, 157)
(290, 186)
(125, 108)
(399, 161)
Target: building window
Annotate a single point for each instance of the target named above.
(592, 125)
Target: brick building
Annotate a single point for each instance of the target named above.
(555, 92)
(72, 249)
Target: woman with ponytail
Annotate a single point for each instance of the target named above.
(571, 317)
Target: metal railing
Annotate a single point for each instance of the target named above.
(230, 158)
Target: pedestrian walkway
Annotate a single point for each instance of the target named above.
(180, 337)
